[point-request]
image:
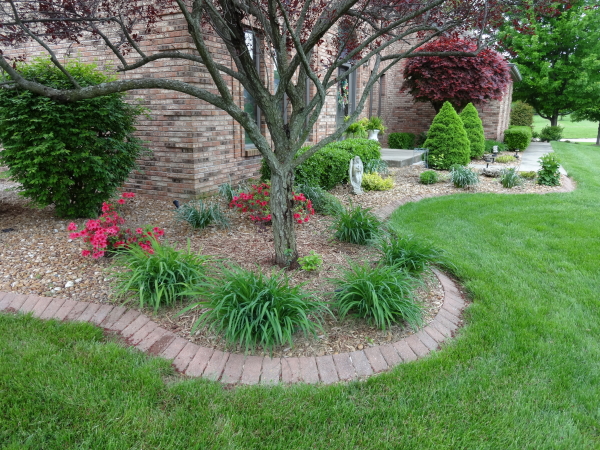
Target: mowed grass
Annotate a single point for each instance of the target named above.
(572, 130)
(523, 374)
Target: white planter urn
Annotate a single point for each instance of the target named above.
(373, 135)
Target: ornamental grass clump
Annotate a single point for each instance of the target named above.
(322, 201)
(382, 295)
(160, 278)
(252, 310)
(200, 214)
(356, 225)
(510, 178)
(463, 177)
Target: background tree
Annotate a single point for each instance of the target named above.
(558, 57)
(309, 41)
(456, 79)
(591, 114)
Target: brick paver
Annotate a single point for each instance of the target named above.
(195, 361)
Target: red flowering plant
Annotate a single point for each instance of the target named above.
(256, 202)
(106, 235)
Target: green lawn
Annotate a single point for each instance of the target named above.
(523, 374)
(573, 130)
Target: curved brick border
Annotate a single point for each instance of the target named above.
(192, 360)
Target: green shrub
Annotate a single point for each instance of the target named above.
(382, 295)
(357, 129)
(322, 201)
(376, 166)
(463, 177)
(489, 145)
(521, 114)
(312, 261)
(251, 309)
(200, 214)
(407, 252)
(374, 182)
(549, 173)
(530, 175)
(401, 140)
(420, 139)
(518, 138)
(72, 155)
(447, 140)
(160, 278)
(509, 178)
(429, 177)
(505, 159)
(550, 133)
(474, 128)
(356, 225)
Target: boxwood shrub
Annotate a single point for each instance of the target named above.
(401, 140)
(517, 138)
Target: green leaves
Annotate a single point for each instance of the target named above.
(549, 174)
(474, 128)
(356, 225)
(447, 140)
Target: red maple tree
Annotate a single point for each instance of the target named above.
(457, 79)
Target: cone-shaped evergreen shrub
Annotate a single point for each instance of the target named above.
(447, 140)
(474, 128)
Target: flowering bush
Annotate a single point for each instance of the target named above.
(256, 202)
(106, 235)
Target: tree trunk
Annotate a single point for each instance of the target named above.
(598, 137)
(554, 120)
(284, 233)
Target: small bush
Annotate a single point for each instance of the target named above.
(382, 295)
(376, 166)
(518, 138)
(200, 214)
(550, 133)
(489, 146)
(463, 177)
(374, 182)
(505, 159)
(474, 128)
(251, 309)
(521, 114)
(312, 261)
(407, 252)
(429, 177)
(322, 201)
(549, 174)
(401, 140)
(509, 178)
(528, 175)
(159, 278)
(356, 225)
(447, 140)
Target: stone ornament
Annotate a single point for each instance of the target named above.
(356, 175)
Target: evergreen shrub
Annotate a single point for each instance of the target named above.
(401, 140)
(518, 138)
(71, 155)
(447, 140)
(474, 128)
(551, 133)
(521, 114)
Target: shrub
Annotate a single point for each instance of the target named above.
(509, 178)
(72, 155)
(551, 133)
(401, 140)
(505, 159)
(382, 295)
(376, 166)
(322, 201)
(374, 182)
(530, 175)
(447, 140)
(463, 177)
(489, 145)
(160, 278)
(357, 129)
(521, 114)
(420, 139)
(356, 225)
(375, 123)
(407, 252)
(200, 215)
(518, 138)
(429, 177)
(252, 309)
(474, 128)
(549, 174)
(312, 261)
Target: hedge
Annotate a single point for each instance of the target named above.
(401, 140)
(517, 138)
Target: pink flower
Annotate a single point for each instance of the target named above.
(128, 194)
(105, 207)
(296, 216)
(97, 255)
(158, 231)
(299, 220)
(85, 253)
(72, 226)
(139, 231)
(306, 219)
(121, 201)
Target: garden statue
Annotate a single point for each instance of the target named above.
(356, 175)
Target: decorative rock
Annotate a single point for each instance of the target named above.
(69, 284)
(493, 172)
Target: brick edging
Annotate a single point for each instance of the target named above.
(141, 332)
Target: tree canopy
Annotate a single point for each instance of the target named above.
(309, 41)
(456, 79)
(558, 55)
(591, 114)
